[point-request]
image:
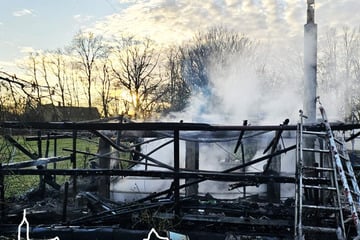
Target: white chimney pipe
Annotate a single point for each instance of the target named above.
(310, 63)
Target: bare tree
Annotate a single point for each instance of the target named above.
(178, 91)
(339, 69)
(59, 69)
(211, 49)
(136, 74)
(89, 49)
(105, 89)
(211, 54)
(32, 68)
(12, 97)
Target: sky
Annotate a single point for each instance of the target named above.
(48, 24)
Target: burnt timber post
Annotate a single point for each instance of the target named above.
(73, 159)
(2, 196)
(176, 172)
(273, 188)
(41, 178)
(104, 163)
(191, 163)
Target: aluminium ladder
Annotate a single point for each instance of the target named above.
(324, 198)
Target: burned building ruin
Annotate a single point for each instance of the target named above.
(186, 180)
(262, 188)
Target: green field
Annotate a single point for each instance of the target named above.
(16, 185)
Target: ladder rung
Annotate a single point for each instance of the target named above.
(318, 168)
(322, 207)
(319, 229)
(316, 180)
(315, 133)
(319, 187)
(316, 150)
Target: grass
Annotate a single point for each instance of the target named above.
(16, 185)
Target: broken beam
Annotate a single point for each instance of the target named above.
(204, 175)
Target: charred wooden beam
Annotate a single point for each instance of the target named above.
(51, 137)
(50, 180)
(95, 156)
(73, 159)
(104, 163)
(244, 220)
(191, 163)
(2, 196)
(274, 144)
(13, 142)
(34, 163)
(239, 141)
(65, 201)
(202, 175)
(260, 159)
(225, 171)
(113, 214)
(353, 136)
(177, 172)
(124, 148)
(39, 144)
(166, 126)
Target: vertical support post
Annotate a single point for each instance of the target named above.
(65, 201)
(118, 141)
(104, 163)
(55, 154)
(243, 169)
(73, 160)
(41, 177)
(273, 188)
(2, 195)
(176, 174)
(39, 144)
(192, 163)
(47, 145)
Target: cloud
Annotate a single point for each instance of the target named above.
(23, 12)
(26, 49)
(81, 18)
(176, 21)
(7, 64)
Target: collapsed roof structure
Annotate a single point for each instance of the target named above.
(310, 200)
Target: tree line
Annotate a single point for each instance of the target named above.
(141, 79)
(126, 75)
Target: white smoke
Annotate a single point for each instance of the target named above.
(264, 88)
(241, 92)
